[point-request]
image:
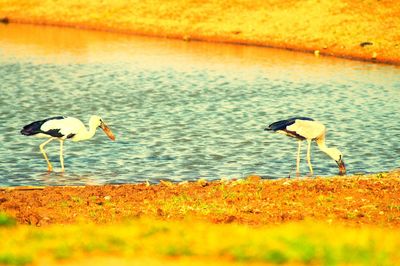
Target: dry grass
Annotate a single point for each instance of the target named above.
(300, 243)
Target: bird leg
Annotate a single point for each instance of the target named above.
(298, 160)
(309, 156)
(41, 146)
(61, 155)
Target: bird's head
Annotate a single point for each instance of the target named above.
(98, 122)
(338, 157)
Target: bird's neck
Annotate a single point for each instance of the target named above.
(86, 134)
(322, 146)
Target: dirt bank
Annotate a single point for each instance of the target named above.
(351, 200)
(359, 29)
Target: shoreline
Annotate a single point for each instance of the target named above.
(349, 200)
(357, 56)
(327, 28)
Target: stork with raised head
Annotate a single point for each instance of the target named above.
(62, 128)
(304, 128)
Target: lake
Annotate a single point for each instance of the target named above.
(186, 110)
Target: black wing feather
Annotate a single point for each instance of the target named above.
(34, 128)
(281, 125)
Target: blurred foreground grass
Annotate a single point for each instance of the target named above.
(297, 243)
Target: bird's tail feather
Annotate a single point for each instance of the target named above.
(31, 129)
(280, 125)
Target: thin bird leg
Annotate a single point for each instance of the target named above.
(41, 146)
(309, 157)
(61, 155)
(298, 160)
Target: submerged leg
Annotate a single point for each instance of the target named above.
(61, 155)
(41, 146)
(298, 160)
(309, 157)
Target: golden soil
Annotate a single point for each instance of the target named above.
(372, 200)
(357, 29)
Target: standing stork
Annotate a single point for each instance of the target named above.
(62, 128)
(304, 128)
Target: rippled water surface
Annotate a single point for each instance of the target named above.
(185, 110)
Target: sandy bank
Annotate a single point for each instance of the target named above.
(362, 30)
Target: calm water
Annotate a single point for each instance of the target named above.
(185, 110)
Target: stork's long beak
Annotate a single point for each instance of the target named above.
(107, 130)
(342, 167)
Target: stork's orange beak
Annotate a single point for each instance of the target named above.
(107, 130)
(342, 167)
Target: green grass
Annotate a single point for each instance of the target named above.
(6, 220)
(301, 243)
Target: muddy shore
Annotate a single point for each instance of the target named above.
(361, 30)
(354, 200)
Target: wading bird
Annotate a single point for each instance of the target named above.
(62, 128)
(304, 128)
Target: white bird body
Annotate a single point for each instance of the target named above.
(66, 126)
(308, 129)
(63, 128)
(72, 127)
(304, 128)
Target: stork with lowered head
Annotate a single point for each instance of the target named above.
(304, 128)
